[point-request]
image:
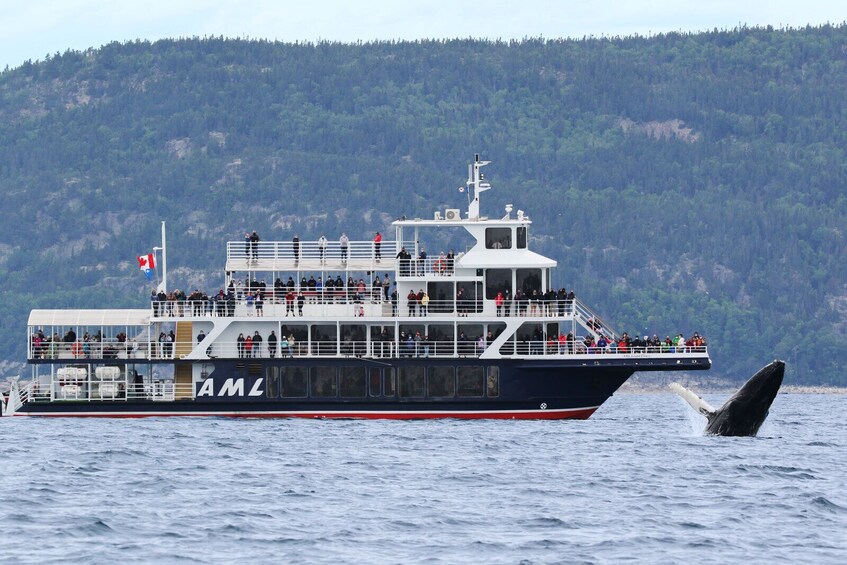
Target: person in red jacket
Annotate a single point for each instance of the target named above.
(377, 246)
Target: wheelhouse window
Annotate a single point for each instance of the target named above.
(521, 238)
(498, 238)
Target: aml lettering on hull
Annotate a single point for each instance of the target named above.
(231, 387)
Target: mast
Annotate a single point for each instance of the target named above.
(476, 180)
(163, 286)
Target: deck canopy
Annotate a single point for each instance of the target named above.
(96, 318)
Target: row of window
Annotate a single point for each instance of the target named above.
(403, 382)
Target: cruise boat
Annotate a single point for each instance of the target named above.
(314, 329)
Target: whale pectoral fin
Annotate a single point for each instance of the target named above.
(695, 401)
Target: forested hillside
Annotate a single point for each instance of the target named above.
(683, 182)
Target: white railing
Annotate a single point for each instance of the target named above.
(470, 347)
(310, 251)
(86, 389)
(369, 302)
(79, 349)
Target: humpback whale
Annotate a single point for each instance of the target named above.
(744, 412)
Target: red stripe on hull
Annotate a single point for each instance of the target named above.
(576, 414)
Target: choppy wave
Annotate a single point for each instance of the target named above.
(637, 482)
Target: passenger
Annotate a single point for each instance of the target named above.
(460, 301)
(498, 302)
(440, 266)
(289, 303)
(344, 243)
(411, 302)
(249, 300)
(386, 286)
(260, 302)
(312, 287)
(257, 344)
(322, 248)
(422, 262)
(424, 299)
(410, 345)
(426, 343)
(520, 303)
(376, 290)
(300, 301)
(295, 246)
(405, 259)
(272, 343)
(462, 345)
(679, 343)
(248, 346)
(451, 262)
(561, 301)
(360, 290)
(254, 244)
(239, 344)
(291, 345)
(377, 246)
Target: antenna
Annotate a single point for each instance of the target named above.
(476, 179)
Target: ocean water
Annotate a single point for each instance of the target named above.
(635, 483)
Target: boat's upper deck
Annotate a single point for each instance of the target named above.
(495, 292)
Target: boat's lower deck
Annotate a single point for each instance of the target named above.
(399, 388)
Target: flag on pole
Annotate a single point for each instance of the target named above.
(147, 263)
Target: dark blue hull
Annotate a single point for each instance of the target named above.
(401, 388)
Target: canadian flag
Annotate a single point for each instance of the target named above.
(146, 262)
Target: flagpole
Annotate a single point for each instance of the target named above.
(163, 286)
(164, 260)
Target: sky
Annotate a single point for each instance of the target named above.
(30, 29)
